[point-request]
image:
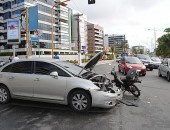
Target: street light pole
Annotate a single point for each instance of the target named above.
(27, 34)
(52, 23)
(79, 39)
(154, 33)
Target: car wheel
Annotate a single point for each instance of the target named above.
(151, 69)
(159, 73)
(80, 101)
(143, 74)
(4, 94)
(168, 77)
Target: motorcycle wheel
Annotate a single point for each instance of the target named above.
(134, 90)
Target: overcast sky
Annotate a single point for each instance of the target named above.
(130, 17)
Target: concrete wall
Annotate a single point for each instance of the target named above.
(62, 57)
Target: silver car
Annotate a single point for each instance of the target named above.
(58, 82)
(164, 69)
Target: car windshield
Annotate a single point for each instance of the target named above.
(74, 69)
(156, 59)
(144, 57)
(132, 60)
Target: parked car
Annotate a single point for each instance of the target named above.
(146, 61)
(118, 59)
(58, 82)
(156, 62)
(164, 69)
(128, 63)
(2, 63)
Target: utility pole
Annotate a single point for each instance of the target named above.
(78, 39)
(27, 34)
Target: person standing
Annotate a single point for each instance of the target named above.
(10, 59)
(56, 56)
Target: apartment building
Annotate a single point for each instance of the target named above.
(12, 9)
(140, 49)
(79, 19)
(95, 38)
(116, 40)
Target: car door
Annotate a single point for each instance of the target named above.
(20, 79)
(165, 67)
(46, 86)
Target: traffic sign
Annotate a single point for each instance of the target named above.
(91, 1)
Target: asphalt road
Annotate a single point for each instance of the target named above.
(152, 111)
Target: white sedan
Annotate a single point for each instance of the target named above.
(164, 69)
(58, 82)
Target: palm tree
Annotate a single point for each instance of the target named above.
(112, 49)
(124, 45)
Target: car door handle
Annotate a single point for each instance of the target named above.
(37, 79)
(11, 77)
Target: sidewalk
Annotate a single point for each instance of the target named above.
(101, 62)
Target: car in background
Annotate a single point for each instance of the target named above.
(118, 59)
(156, 62)
(58, 82)
(164, 69)
(128, 63)
(2, 63)
(146, 61)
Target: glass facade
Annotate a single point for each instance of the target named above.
(7, 5)
(18, 1)
(44, 17)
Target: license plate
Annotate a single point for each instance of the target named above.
(145, 64)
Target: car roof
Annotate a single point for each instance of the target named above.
(34, 59)
(39, 59)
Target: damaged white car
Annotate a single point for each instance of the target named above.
(58, 82)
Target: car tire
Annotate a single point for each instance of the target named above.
(151, 69)
(168, 77)
(4, 94)
(80, 101)
(159, 73)
(143, 74)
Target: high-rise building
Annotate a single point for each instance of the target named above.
(140, 49)
(79, 19)
(95, 38)
(116, 40)
(12, 9)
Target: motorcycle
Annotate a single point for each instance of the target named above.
(127, 83)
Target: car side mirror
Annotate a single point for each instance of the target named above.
(54, 74)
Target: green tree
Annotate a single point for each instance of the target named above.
(112, 49)
(134, 50)
(141, 51)
(163, 48)
(124, 45)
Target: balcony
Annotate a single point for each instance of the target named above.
(98, 43)
(2, 29)
(65, 17)
(1, 19)
(1, 10)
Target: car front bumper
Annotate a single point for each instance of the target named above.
(105, 99)
(149, 66)
(156, 66)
